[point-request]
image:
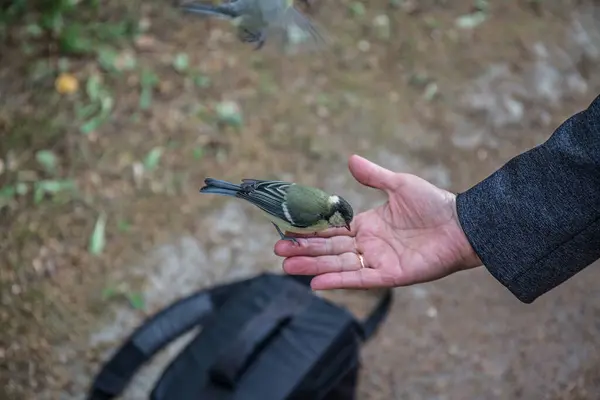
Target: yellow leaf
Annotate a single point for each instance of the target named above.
(66, 83)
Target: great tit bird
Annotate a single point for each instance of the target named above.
(290, 207)
(257, 19)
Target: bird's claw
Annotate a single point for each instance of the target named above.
(261, 42)
(291, 239)
(285, 237)
(248, 36)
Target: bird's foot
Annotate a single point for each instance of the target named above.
(261, 41)
(291, 239)
(284, 236)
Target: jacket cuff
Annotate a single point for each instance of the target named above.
(535, 222)
(478, 219)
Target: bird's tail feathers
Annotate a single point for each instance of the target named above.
(217, 186)
(207, 9)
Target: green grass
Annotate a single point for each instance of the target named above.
(73, 27)
(38, 161)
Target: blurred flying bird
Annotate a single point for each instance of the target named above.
(256, 20)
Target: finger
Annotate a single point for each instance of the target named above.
(316, 246)
(327, 232)
(321, 265)
(371, 174)
(338, 231)
(365, 278)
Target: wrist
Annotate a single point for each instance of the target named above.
(468, 258)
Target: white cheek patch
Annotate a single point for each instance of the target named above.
(287, 214)
(334, 199)
(336, 219)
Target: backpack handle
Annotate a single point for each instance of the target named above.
(370, 324)
(236, 357)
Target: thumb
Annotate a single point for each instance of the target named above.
(371, 174)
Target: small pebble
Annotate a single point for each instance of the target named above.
(138, 172)
(322, 112)
(16, 289)
(144, 24)
(145, 42)
(432, 312)
(419, 292)
(409, 7)
(482, 154)
(453, 350)
(364, 46)
(382, 26)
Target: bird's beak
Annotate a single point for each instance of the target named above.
(348, 226)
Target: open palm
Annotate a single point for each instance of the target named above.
(414, 237)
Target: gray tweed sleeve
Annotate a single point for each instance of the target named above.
(536, 221)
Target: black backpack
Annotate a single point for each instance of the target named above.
(264, 338)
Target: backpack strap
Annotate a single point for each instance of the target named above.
(153, 335)
(370, 324)
(158, 331)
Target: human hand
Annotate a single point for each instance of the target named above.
(414, 237)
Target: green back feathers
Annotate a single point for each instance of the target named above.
(307, 204)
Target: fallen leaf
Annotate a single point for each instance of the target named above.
(181, 62)
(431, 91)
(123, 226)
(229, 113)
(42, 188)
(357, 8)
(471, 21)
(153, 158)
(66, 83)
(107, 57)
(148, 82)
(98, 238)
(47, 159)
(93, 87)
(137, 301)
(198, 152)
(109, 292)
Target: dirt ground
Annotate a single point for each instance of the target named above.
(405, 85)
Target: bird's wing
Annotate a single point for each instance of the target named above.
(225, 10)
(307, 205)
(245, 7)
(269, 196)
(301, 32)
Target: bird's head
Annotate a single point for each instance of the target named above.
(341, 212)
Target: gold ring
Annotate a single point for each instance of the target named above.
(361, 259)
(360, 256)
